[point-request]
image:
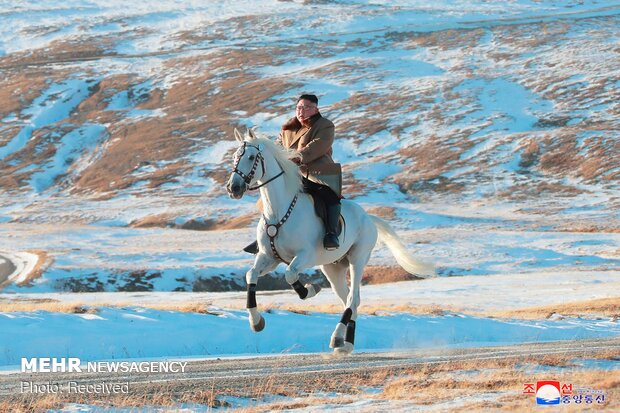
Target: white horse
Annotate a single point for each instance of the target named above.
(291, 232)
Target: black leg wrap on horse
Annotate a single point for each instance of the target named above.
(346, 316)
(301, 290)
(338, 342)
(350, 336)
(251, 303)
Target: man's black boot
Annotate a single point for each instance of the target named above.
(330, 241)
(252, 248)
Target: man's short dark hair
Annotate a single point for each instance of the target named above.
(311, 98)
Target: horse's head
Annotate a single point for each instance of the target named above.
(247, 159)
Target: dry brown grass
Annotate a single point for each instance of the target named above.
(192, 118)
(612, 354)
(607, 307)
(298, 403)
(445, 382)
(426, 384)
(60, 51)
(31, 305)
(13, 306)
(209, 87)
(152, 221)
(530, 153)
(20, 88)
(155, 394)
(422, 309)
(608, 227)
(168, 221)
(382, 274)
(235, 223)
(383, 212)
(524, 191)
(441, 39)
(591, 379)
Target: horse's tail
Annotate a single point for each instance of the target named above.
(403, 258)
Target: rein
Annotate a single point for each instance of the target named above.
(266, 182)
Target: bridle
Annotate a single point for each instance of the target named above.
(270, 229)
(250, 175)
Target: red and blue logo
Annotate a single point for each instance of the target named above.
(548, 392)
(553, 392)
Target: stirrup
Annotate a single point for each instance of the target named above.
(330, 242)
(252, 248)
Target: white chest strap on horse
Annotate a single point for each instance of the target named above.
(272, 229)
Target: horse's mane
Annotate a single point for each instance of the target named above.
(283, 158)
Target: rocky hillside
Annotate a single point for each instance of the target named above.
(122, 114)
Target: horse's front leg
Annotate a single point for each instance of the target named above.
(299, 263)
(262, 265)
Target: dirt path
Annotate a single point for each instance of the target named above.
(294, 373)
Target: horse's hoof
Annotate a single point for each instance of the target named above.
(313, 289)
(336, 342)
(347, 348)
(259, 326)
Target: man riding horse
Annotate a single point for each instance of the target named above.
(290, 233)
(312, 136)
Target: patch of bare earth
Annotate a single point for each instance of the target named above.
(19, 89)
(169, 221)
(197, 111)
(193, 112)
(382, 274)
(560, 150)
(384, 212)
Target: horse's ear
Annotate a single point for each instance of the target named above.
(251, 133)
(238, 136)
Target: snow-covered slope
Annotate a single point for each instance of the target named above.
(453, 119)
(509, 102)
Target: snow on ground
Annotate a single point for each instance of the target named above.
(512, 246)
(29, 25)
(491, 254)
(471, 294)
(122, 333)
(496, 262)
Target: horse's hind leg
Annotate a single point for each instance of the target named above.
(358, 258)
(337, 276)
